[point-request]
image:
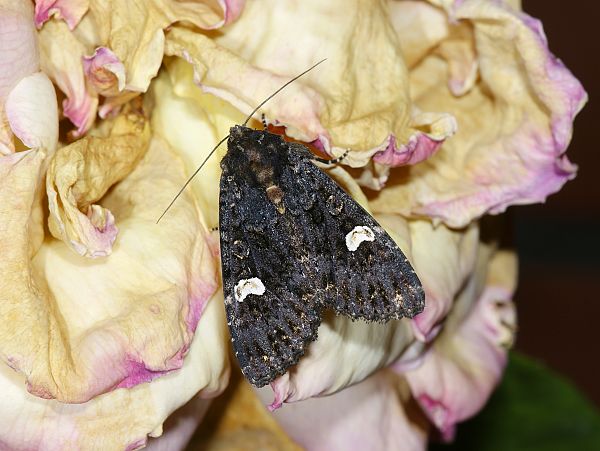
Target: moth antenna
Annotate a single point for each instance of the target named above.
(191, 177)
(223, 140)
(281, 89)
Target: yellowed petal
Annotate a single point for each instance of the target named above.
(77, 328)
(81, 173)
(514, 103)
(123, 418)
(61, 54)
(334, 105)
(133, 31)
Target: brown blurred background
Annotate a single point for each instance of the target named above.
(558, 297)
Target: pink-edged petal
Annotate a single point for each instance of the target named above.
(444, 258)
(467, 359)
(420, 146)
(336, 108)
(32, 112)
(77, 329)
(19, 57)
(81, 173)
(232, 9)
(374, 414)
(124, 418)
(70, 10)
(19, 54)
(105, 71)
(61, 54)
(515, 120)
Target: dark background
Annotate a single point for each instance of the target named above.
(558, 299)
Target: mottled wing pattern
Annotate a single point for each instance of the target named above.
(286, 254)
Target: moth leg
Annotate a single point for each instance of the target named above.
(263, 119)
(334, 160)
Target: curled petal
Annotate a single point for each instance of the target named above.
(61, 54)
(105, 71)
(105, 422)
(467, 359)
(117, 322)
(70, 10)
(333, 106)
(421, 145)
(515, 122)
(374, 414)
(81, 173)
(32, 112)
(133, 30)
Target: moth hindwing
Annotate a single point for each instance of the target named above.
(292, 244)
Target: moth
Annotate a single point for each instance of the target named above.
(293, 244)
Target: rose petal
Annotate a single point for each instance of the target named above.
(105, 71)
(468, 358)
(374, 414)
(81, 173)
(19, 57)
(70, 10)
(333, 107)
(122, 418)
(32, 112)
(515, 122)
(444, 259)
(61, 54)
(77, 329)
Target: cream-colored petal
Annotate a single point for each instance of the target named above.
(81, 173)
(78, 328)
(374, 414)
(335, 105)
(32, 112)
(514, 122)
(123, 418)
(467, 360)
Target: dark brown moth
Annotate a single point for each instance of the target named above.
(293, 244)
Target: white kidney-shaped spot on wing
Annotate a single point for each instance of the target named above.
(357, 236)
(248, 286)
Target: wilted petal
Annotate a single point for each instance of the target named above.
(105, 71)
(444, 259)
(61, 54)
(116, 322)
(70, 10)
(19, 57)
(514, 123)
(134, 30)
(333, 106)
(32, 112)
(374, 414)
(81, 173)
(123, 418)
(467, 359)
